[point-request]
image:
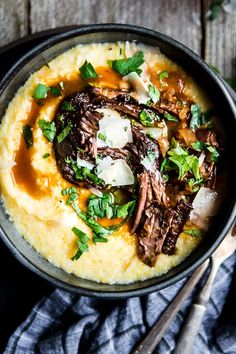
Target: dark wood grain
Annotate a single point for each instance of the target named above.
(13, 20)
(220, 41)
(179, 19)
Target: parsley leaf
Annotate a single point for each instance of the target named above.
(48, 129)
(72, 197)
(46, 155)
(214, 153)
(68, 190)
(127, 66)
(87, 71)
(153, 93)
(67, 106)
(40, 91)
(148, 118)
(81, 173)
(27, 135)
(102, 136)
(82, 243)
(193, 232)
(104, 207)
(163, 75)
(170, 117)
(55, 91)
(184, 162)
(64, 133)
(198, 145)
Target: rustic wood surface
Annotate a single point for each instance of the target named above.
(185, 20)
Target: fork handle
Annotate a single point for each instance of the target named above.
(190, 330)
(192, 325)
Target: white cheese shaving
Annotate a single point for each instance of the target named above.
(84, 163)
(115, 130)
(115, 172)
(140, 88)
(205, 205)
(149, 160)
(155, 133)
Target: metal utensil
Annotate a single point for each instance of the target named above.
(191, 327)
(149, 343)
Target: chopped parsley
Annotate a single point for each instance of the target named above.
(40, 91)
(46, 155)
(72, 197)
(200, 145)
(48, 129)
(154, 93)
(148, 118)
(127, 66)
(102, 136)
(82, 243)
(163, 75)
(27, 135)
(87, 71)
(64, 133)
(170, 117)
(55, 91)
(193, 232)
(81, 173)
(67, 106)
(104, 207)
(198, 118)
(184, 162)
(68, 190)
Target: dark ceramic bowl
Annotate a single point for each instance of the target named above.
(212, 84)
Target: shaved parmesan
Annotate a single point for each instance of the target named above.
(155, 133)
(84, 163)
(140, 88)
(115, 172)
(114, 131)
(205, 205)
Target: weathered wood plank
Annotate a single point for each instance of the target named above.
(13, 20)
(220, 42)
(179, 19)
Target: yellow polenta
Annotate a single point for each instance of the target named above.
(44, 220)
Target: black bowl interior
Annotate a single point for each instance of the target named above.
(214, 87)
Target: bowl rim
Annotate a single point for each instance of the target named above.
(149, 33)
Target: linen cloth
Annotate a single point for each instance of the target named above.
(67, 323)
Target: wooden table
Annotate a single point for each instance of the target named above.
(185, 20)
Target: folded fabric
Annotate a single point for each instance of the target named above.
(68, 323)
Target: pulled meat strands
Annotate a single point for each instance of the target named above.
(143, 184)
(152, 236)
(181, 213)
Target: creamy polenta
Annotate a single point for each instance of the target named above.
(31, 183)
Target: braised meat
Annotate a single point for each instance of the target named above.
(165, 184)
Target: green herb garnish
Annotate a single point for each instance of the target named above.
(68, 190)
(87, 71)
(193, 232)
(82, 243)
(27, 135)
(200, 145)
(72, 197)
(64, 133)
(127, 66)
(148, 118)
(104, 207)
(170, 117)
(184, 162)
(163, 75)
(102, 136)
(153, 93)
(48, 129)
(67, 106)
(55, 91)
(46, 155)
(40, 91)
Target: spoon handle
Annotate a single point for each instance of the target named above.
(149, 343)
(192, 324)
